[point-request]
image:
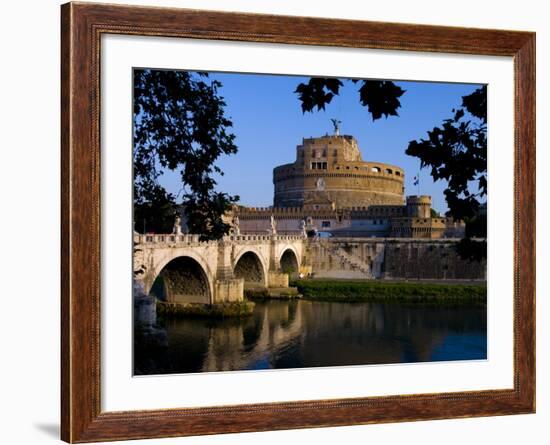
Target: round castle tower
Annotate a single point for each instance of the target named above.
(419, 206)
(330, 168)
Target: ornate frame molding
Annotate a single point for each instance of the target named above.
(81, 28)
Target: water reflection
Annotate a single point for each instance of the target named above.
(283, 334)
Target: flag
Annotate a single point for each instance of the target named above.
(416, 180)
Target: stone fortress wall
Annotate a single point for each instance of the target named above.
(391, 258)
(373, 221)
(289, 219)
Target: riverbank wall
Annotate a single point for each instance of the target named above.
(391, 259)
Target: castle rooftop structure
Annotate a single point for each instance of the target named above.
(330, 170)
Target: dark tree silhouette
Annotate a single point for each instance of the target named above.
(381, 97)
(457, 152)
(179, 125)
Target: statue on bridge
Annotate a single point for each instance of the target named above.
(236, 226)
(177, 225)
(303, 230)
(273, 226)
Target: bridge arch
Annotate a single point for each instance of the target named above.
(281, 249)
(184, 278)
(289, 262)
(250, 266)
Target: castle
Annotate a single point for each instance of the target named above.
(329, 188)
(376, 232)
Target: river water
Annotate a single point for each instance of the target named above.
(301, 333)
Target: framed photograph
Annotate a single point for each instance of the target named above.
(274, 222)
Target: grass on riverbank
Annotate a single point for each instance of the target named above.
(221, 310)
(405, 292)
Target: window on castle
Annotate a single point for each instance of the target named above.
(376, 169)
(325, 224)
(319, 165)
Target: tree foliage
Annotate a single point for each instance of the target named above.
(180, 125)
(456, 152)
(381, 97)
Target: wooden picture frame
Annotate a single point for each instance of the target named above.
(82, 26)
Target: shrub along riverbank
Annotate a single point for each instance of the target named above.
(403, 292)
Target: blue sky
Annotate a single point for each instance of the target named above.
(268, 124)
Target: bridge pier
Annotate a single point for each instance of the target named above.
(228, 288)
(277, 279)
(224, 269)
(229, 291)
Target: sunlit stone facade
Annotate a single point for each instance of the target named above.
(331, 167)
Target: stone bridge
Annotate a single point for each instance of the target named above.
(182, 269)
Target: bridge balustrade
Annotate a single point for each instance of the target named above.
(256, 237)
(165, 238)
(194, 239)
